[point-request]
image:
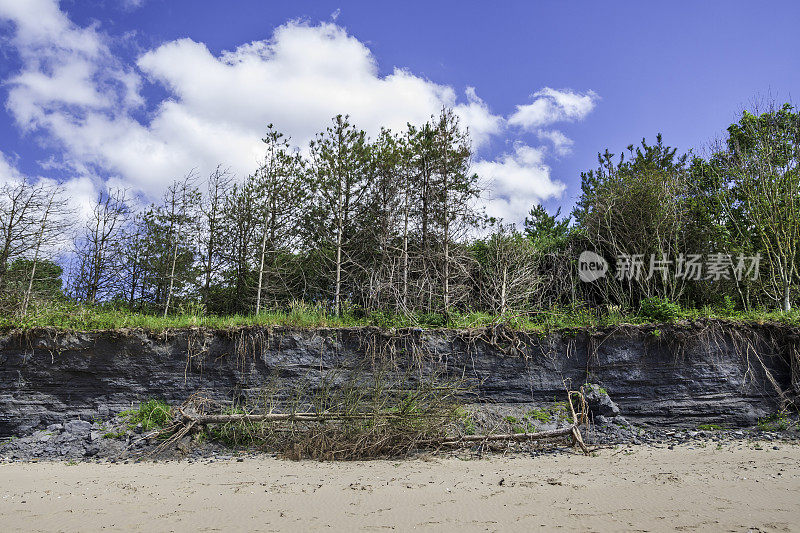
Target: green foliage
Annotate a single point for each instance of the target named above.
(153, 414)
(659, 310)
(544, 229)
(709, 427)
(776, 422)
(46, 281)
(114, 434)
(467, 419)
(761, 171)
(385, 232)
(65, 315)
(539, 414)
(379, 418)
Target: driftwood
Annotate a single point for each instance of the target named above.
(287, 417)
(190, 416)
(572, 430)
(489, 437)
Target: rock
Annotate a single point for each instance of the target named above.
(55, 428)
(600, 420)
(683, 382)
(599, 402)
(78, 427)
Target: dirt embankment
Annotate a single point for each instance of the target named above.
(684, 374)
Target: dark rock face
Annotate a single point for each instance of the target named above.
(678, 375)
(599, 402)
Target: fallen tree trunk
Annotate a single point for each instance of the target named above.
(288, 417)
(539, 435)
(572, 430)
(193, 415)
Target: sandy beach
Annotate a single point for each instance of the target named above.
(736, 487)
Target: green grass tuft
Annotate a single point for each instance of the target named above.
(153, 414)
(539, 414)
(69, 316)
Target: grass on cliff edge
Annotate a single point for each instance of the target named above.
(73, 317)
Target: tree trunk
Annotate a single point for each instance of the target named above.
(27, 298)
(503, 291)
(261, 271)
(405, 258)
(338, 290)
(786, 304)
(339, 229)
(171, 278)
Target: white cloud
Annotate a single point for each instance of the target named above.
(8, 171)
(74, 90)
(562, 145)
(482, 124)
(67, 70)
(551, 105)
(516, 182)
(298, 80)
(81, 191)
(41, 25)
(130, 5)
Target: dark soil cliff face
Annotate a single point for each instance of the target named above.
(707, 372)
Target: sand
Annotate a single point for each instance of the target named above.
(732, 488)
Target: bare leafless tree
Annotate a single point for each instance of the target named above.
(55, 222)
(180, 208)
(98, 248)
(21, 202)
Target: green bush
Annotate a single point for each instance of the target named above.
(432, 320)
(153, 414)
(660, 310)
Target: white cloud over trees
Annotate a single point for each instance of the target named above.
(73, 90)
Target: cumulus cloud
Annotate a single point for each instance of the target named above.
(562, 145)
(8, 170)
(74, 90)
(80, 190)
(298, 80)
(551, 105)
(516, 181)
(64, 67)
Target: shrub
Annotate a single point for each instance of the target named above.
(660, 310)
(153, 414)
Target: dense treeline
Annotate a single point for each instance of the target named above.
(391, 225)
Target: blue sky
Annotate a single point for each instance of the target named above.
(131, 93)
